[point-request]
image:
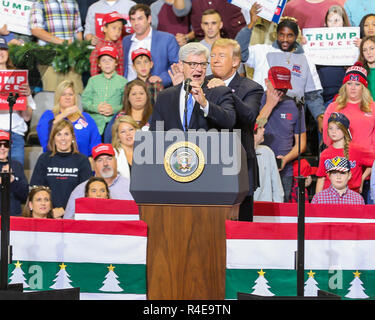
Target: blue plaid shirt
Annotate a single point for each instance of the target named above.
(61, 18)
(331, 196)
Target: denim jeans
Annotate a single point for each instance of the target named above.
(287, 182)
(18, 148)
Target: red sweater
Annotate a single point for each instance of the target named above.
(359, 158)
(362, 124)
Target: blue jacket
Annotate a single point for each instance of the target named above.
(86, 132)
(164, 52)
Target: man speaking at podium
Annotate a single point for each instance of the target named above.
(200, 108)
(247, 94)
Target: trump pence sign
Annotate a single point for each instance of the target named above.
(331, 46)
(10, 82)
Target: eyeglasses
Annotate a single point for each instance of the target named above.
(194, 65)
(4, 144)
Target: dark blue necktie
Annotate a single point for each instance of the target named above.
(190, 106)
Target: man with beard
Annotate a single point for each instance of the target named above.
(284, 52)
(247, 94)
(105, 166)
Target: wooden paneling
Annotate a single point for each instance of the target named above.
(186, 250)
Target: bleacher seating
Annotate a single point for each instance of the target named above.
(32, 153)
(43, 101)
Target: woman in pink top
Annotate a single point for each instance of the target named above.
(355, 102)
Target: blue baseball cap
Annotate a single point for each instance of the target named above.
(341, 118)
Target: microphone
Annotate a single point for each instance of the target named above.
(187, 86)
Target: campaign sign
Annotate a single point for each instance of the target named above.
(331, 46)
(99, 26)
(16, 14)
(272, 10)
(10, 82)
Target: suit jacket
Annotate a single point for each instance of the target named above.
(247, 95)
(221, 113)
(164, 52)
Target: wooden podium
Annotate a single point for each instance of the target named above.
(186, 251)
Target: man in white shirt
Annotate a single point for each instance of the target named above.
(208, 108)
(162, 45)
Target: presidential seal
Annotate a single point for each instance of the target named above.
(184, 161)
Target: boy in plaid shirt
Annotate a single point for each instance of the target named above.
(338, 170)
(113, 27)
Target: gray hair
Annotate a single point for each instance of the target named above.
(194, 48)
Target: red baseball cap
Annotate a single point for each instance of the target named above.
(141, 51)
(108, 50)
(112, 17)
(4, 135)
(280, 77)
(102, 148)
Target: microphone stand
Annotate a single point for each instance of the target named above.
(300, 254)
(15, 291)
(6, 249)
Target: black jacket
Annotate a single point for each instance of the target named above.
(19, 188)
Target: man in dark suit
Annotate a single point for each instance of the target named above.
(247, 94)
(208, 108)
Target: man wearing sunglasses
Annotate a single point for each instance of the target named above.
(206, 109)
(19, 187)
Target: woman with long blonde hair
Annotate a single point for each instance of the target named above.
(123, 131)
(66, 107)
(355, 102)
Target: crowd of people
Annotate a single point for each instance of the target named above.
(229, 68)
